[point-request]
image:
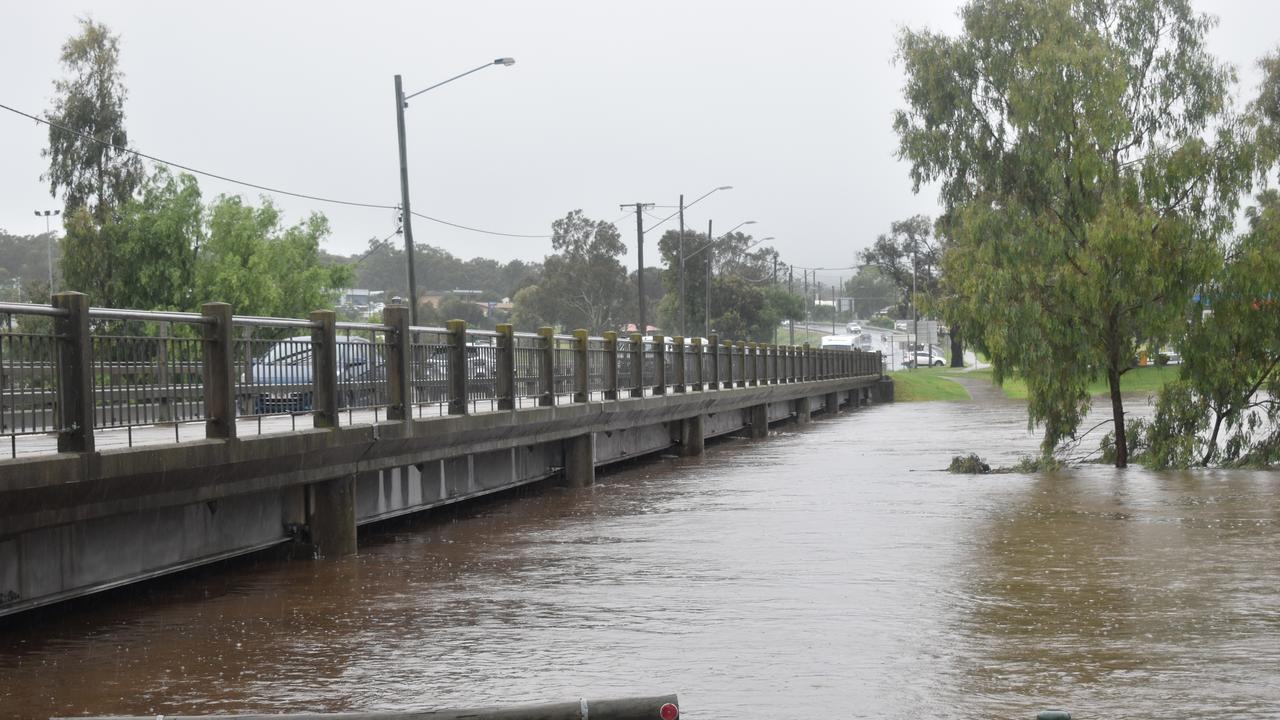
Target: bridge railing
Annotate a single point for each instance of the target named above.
(69, 370)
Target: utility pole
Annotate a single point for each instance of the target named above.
(642, 327)
(835, 309)
(680, 324)
(806, 301)
(706, 291)
(791, 278)
(48, 241)
(915, 312)
(405, 223)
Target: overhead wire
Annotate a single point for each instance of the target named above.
(256, 186)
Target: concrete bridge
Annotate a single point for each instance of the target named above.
(144, 443)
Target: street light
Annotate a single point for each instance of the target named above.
(49, 242)
(706, 292)
(402, 102)
(680, 250)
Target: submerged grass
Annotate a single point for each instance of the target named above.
(1138, 380)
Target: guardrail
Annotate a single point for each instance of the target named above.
(68, 370)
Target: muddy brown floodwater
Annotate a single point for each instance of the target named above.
(828, 572)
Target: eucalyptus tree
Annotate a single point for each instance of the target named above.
(88, 162)
(1088, 161)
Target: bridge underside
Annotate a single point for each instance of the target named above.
(75, 524)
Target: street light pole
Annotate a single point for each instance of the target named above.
(402, 102)
(48, 241)
(680, 251)
(706, 289)
(683, 316)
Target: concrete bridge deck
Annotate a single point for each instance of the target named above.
(88, 508)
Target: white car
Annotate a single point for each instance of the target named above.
(853, 328)
(923, 359)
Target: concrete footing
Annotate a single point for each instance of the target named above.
(580, 461)
(333, 516)
(758, 420)
(832, 403)
(692, 437)
(804, 408)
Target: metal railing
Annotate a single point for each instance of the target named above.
(67, 370)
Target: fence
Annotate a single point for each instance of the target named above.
(67, 370)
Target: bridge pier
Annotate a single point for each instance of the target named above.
(333, 516)
(692, 437)
(580, 460)
(758, 420)
(833, 403)
(804, 408)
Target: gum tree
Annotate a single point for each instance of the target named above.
(1087, 161)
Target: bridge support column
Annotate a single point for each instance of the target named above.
(804, 408)
(332, 519)
(692, 439)
(580, 460)
(833, 403)
(758, 419)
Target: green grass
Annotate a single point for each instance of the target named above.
(1138, 380)
(926, 384)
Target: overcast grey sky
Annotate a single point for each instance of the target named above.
(607, 103)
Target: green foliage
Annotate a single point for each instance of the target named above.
(969, 464)
(1088, 164)
(143, 255)
(87, 127)
(382, 267)
(872, 289)
(24, 262)
(907, 257)
(581, 283)
(1224, 408)
(259, 268)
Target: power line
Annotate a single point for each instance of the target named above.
(415, 213)
(190, 169)
(378, 245)
(245, 183)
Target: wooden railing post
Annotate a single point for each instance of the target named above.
(75, 379)
(399, 389)
(677, 349)
(742, 363)
(713, 345)
(611, 365)
(660, 365)
(219, 372)
(581, 379)
(547, 368)
(697, 365)
(637, 365)
(457, 364)
(504, 387)
(324, 370)
(163, 413)
(246, 401)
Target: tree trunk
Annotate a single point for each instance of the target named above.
(957, 347)
(1117, 416)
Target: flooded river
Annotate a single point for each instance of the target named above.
(828, 572)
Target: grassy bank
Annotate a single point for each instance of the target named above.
(926, 384)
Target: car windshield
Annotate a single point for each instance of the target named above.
(289, 352)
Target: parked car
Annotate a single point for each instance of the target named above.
(923, 359)
(282, 379)
(482, 368)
